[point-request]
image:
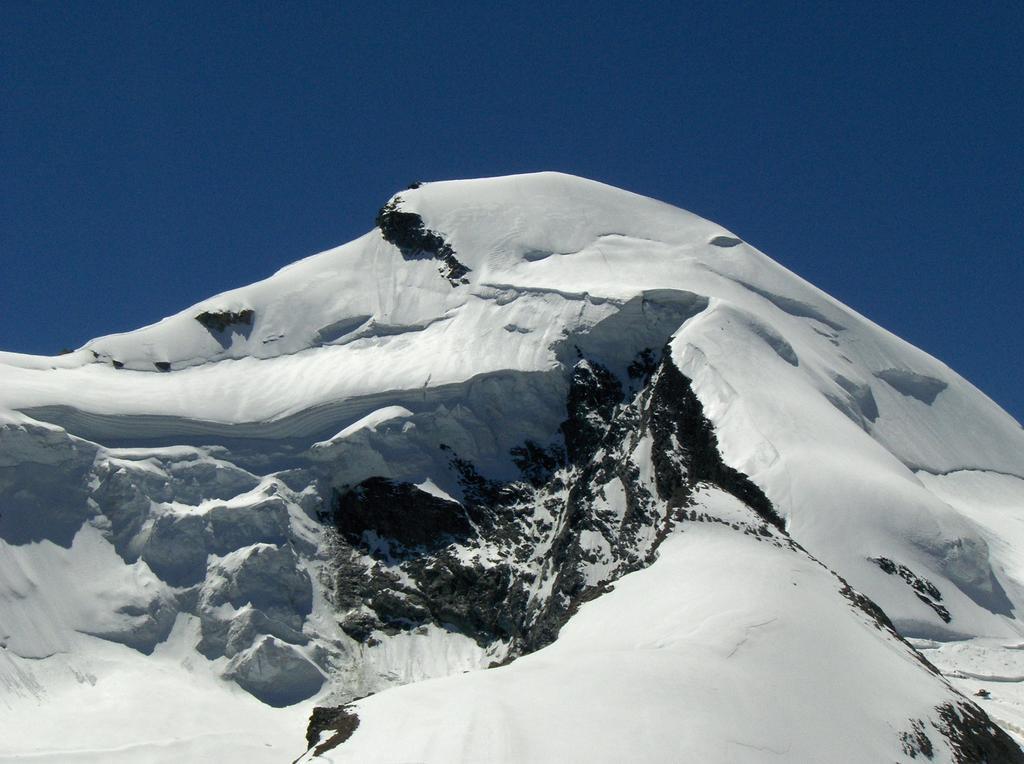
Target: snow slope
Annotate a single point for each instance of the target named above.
(726, 649)
(186, 472)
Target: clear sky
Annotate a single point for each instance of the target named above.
(155, 153)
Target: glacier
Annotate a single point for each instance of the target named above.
(537, 469)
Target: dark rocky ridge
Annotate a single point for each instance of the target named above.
(681, 431)
(481, 572)
(414, 240)
(925, 590)
(972, 737)
(429, 566)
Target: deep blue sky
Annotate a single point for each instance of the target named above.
(152, 154)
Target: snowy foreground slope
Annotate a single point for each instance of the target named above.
(590, 476)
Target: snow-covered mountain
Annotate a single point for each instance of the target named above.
(536, 470)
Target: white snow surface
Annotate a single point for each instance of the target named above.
(102, 702)
(866, 445)
(726, 649)
(834, 445)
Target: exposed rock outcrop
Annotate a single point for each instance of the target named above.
(414, 240)
(221, 321)
(514, 560)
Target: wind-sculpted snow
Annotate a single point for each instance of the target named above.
(919, 386)
(426, 451)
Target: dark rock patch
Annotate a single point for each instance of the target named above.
(415, 241)
(925, 590)
(915, 741)
(220, 321)
(536, 463)
(482, 602)
(881, 621)
(399, 511)
(868, 607)
(594, 392)
(922, 585)
(940, 610)
(340, 720)
(973, 737)
(643, 366)
(359, 625)
(681, 431)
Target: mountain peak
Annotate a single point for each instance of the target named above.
(540, 214)
(537, 421)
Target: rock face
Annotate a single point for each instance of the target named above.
(414, 240)
(972, 735)
(511, 563)
(398, 512)
(505, 564)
